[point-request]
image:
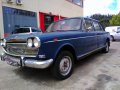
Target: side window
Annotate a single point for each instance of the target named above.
(118, 29)
(97, 26)
(87, 25)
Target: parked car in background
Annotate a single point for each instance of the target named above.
(25, 30)
(63, 43)
(114, 32)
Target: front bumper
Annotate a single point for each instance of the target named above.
(25, 62)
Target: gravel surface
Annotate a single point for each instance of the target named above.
(96, 72)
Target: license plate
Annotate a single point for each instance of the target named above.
(12, 60)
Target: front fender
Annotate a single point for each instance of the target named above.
(60, 48)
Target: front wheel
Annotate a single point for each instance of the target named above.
(106, 48)
(63, 66)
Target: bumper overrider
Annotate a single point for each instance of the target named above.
(22, 61)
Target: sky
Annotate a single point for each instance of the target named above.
(101, 7)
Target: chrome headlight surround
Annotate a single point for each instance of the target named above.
(33, 42)
(3, 42)
(36, 42)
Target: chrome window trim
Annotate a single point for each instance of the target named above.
(90, 52)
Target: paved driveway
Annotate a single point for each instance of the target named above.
(96, 72)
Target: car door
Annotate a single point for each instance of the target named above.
(118, 33)
(90, 36)
(101, 34)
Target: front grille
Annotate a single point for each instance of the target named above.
(20, 49)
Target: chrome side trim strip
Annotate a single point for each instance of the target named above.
(89, 52)
(72, 38)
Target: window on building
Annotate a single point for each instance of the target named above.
(77, 2)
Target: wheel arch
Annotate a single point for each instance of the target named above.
(108, 40)
(67, 47)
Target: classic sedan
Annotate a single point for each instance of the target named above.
(63, 43)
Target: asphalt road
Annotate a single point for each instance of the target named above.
(96, 72)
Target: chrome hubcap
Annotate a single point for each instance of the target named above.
(65, 65)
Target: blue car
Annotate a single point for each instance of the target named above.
(63, 43)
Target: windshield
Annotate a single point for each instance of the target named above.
(65, 25)
(21, 30)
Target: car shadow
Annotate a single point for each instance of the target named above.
(82, 68)
(116, 41)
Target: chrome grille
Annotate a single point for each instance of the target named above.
(20, 49)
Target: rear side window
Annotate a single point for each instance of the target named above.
(118, 29)
(97, 26)
(21, 30)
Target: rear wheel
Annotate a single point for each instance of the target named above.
(63, 66)
(106, 49)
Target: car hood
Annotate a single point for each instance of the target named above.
(44, 37)
(52, 36)
(21, 37)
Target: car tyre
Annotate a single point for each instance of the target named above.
(63, 66)
(106, 49)
(112, 38)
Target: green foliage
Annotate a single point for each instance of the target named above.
(104, 19)
(115, 21)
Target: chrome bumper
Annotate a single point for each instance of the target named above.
(23, 62)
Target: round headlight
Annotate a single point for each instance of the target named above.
(29, 43)
(36, 42)
(3, 42)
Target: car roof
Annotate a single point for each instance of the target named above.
(79, 18)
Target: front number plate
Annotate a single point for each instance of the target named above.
(12, 60)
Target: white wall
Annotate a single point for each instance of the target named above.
(62, 7)
(1, 21)
(30, 5)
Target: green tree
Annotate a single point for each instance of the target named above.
(115, 21)
(104, 19)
